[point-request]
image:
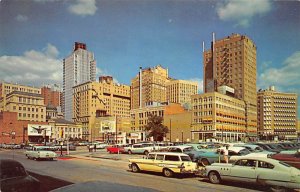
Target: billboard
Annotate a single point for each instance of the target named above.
(108, 126)
(39, 130)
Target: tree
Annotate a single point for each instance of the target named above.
(155, 127)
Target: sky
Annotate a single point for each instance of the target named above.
(36, 35)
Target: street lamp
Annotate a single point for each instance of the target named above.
(182, 136)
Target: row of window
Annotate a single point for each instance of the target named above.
(28, 109)
(24, 115)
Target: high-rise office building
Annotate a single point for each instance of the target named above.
(149, 86)
(180, 91)
(98, 99)
(78, 68)
(277, 114)
(231, 61)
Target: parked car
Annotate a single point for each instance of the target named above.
(14, 178)
(64, 147)
(189, 150)
(291, 159)
(166, 163)
(263, 171)
(119, 148)
(140, 148)
(40, 152)
(98, 145)
(213, 157)
(202, 146)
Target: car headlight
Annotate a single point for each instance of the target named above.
(269, 155)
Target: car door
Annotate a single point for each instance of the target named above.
(13, 178)
(159, 163)
(148, 164)
(244, 170)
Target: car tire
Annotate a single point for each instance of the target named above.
(146, 153)
(214, 177)
(135, 168)
(278, 189)
(168, 173)
(205, 162)
(129, 152)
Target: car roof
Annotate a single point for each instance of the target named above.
(260, 159)
(181, 146)
(169, 153)
(236, 149)
(8, 162)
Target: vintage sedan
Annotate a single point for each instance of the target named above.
(40, 152)
(140, 148)
(14, 178)
(119, 148)
(213, 157)
(166, 163)
(291, 159)
(264, 171)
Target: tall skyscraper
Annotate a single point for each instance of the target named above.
(231, 61)
(78, 68)
(149, 86)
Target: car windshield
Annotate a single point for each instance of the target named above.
(244, 152)
(185, 158)
(188, 149)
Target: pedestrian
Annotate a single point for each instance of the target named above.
(89, 147)
(225, 154)
(95, 147)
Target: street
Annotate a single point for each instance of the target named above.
(81, 169)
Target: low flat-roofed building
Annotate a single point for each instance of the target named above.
(29, 106)
(139, 117)
(63, 130)
(218, 116)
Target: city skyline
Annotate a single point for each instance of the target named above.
(131, 34)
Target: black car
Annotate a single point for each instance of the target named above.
(14, 178)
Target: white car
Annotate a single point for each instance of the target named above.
(263, 171)
(140, 148)
(40, 152)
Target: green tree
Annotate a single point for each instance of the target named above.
(156, 128)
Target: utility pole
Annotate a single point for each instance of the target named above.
(170, 130)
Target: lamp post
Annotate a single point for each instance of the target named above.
(170, 130)
(182, 136)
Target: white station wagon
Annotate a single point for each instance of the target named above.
(40, 152)
(165, 162)
(264, 171)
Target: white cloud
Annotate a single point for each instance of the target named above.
(33, 67)
(242, 11)
(83, 7)
(100, 72)
(285, 78)
(21, 18)
(200, 84)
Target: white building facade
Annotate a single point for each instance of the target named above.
(78, 68)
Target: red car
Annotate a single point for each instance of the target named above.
(291, 159)
(116, 149)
